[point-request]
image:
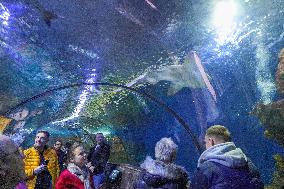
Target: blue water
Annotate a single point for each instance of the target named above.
(117, 41)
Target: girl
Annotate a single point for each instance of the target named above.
(76, 176)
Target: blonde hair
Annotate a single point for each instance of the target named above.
(219, 132)
(165, 150)
(71, 154)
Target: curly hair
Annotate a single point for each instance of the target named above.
(165, 150)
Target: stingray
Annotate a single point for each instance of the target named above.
(46, 14)
(190, 74)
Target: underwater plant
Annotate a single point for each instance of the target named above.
(278, 176)
(272, 118)
(116, 106)
(280, 73)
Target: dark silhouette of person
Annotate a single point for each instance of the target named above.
(98, 157)
(60, 154)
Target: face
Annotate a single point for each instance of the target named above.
(57, 145)
(80, 156)
(208, 142)
(100, 138)
(12, 166)
(41, 140)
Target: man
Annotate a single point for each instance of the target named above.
(11, 164)
(41, 163)
(98, 158)
(60, 154)
(224, 166)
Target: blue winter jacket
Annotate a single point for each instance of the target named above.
(224, 166)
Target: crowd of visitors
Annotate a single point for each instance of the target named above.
(221, 166)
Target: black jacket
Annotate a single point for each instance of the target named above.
(98, 156)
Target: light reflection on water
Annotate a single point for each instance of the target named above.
(5, 14)
(224, 20)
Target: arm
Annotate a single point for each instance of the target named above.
(255, 174)
(185, 180)
(154, 180)
(28, 168)
(31, 164)
(253, 169)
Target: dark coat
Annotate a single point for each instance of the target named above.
(213, 175)
(98, 156)
(225, 167)
(62, 158)
(162, 176)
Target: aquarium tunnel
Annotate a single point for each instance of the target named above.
(141, 70)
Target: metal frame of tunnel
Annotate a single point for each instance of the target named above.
(151, 97)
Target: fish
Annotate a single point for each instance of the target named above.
(190, 74)
(47, 15)
(151, 4)
(181, 75)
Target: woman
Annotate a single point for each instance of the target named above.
(76, 176)
(163, 172)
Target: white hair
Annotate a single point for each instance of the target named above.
(165, 150)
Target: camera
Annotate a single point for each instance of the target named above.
(45, 162)
(115, 176)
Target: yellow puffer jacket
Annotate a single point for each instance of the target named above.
(32, 161)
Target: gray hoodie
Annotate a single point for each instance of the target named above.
(226, 154)
(224, 166)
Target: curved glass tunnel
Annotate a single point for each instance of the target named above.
(211, 62)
